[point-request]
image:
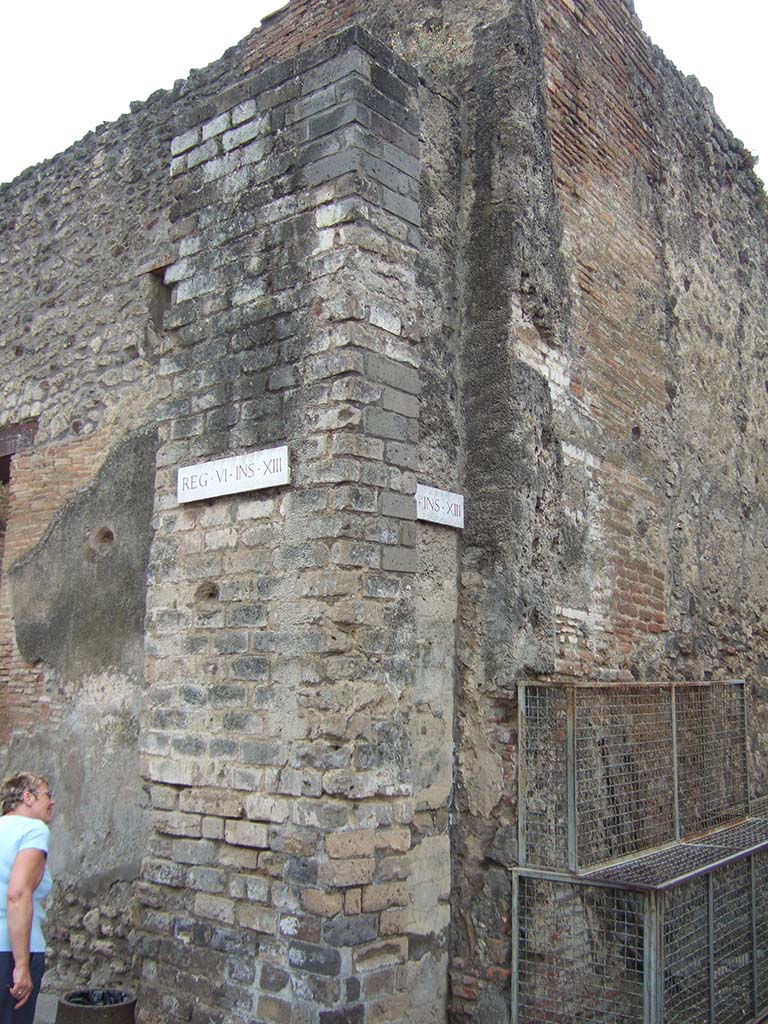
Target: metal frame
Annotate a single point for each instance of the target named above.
(569, 757)
(654, 896)
(717, 799)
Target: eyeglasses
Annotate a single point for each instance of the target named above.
(44, 792)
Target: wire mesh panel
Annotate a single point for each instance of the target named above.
(732, 946)
(624, 771)
(760, 866)
(686, 953)
(608, 771)
(648, 920)
(544, 798)
(660, 869)
(580, 954)
(712, 768)
(588, 952)
(737, 837)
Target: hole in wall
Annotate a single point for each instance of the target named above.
(160, 298)
(207, 591)
(101, 540)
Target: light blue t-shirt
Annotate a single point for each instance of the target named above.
(20, 833)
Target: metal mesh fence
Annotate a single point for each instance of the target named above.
(580, 954)
(609, 771)
(587, 952)
(677, 934)
(544, 800)
(624, 771)
(712, 753)
(760, 890)
(657, 870)
(686, 954)
(737, 837)
(732, 947)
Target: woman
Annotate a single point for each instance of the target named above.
(26, 803)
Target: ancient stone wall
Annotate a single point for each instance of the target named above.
(81, 332)
(641, 362)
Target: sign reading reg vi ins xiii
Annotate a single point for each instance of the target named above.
(250, 472)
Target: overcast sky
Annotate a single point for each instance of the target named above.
(68, 65)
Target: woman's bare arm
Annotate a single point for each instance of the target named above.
(26, 875)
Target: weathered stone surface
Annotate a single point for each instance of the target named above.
(358, 843)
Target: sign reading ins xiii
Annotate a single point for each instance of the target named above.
(239, 473)
(437, 506)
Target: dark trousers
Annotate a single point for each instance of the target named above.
(26, 1014)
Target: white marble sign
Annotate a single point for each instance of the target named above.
(249, 472)
(437, 506)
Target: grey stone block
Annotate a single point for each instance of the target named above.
(247, 615)
(243, 111)
(273, 979)
(405, 456)
(351, 931)
(406, 162)
(401, 206)
(301, 871)
(349, 62)
(310, 105)
(223, 748)
(193, 746)
(391, 85)
(216, 126)
(396, 374)
(382, 54)
(278, 96)
(350, 112)
(267, 78)
(399, 559)
(386, 174)
(314, 959)
(251, 668)
(244, 133)
(381, 104)
(230, 643)
(389, 425)
(207, 879)
(400, 506)
(261, 752)
(331, 167)
(383, 587)
(394, 134)
(184, 142)
(408, 534)
(163, 872)
(398, 401)
(203, 153)
(227, 695)
(194, 851)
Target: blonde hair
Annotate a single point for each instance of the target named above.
(13, 787)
